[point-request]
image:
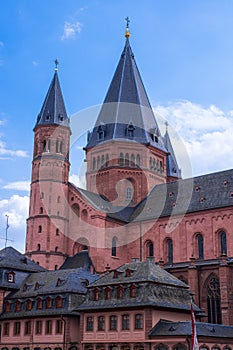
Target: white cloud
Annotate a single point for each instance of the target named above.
(79, 181)
(207, 133)
(18, 186)
(16, 207)
(4, 151)
(70, 30)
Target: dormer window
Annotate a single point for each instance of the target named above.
(17, 306)
(115, 274)
(127, 273)
(11, 277)
(96, 294)
(120, 292)
(59, 282)
(108, 293)
(8, 306)
(154, 135)
(130, 130)
(29, 305)
(133, 291)
(37, 286)
(25, 287)
(100, 133)
(48, 303)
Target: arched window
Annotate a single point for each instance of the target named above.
(161, 167)
(114, 246)
(127, 159)
(56, 249)
(100, 133)
(107, 160)
(98, 162)
(49, 145)
(125, 322)
(161, 346)
(41, 210)
(179, 346)
(128, 195)
(44, 146)
(150, 249)
(48, 303)
(38, 247)
(96, 294)
(169, 251)
(102, 160)
(120, 292)
(130, 130)
(108, 293)
(151, 163)
(200, 246)
(29, 305)
(84, 214)
(138, 160)
(17, 306)
(57, 146)
(132, 160)
(213, 299)
(61, 147)
(39, 303)
(121, 159)
(223, 242)
(76, 209)
(133, 291)
(94, 163)
(39, 229)
(57, 231)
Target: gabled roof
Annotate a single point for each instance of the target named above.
(10, 258)
(169, 328)
(126, 105)
(191, 195)
(53, 110)
(81, 259)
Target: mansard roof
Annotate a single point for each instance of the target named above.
(126, 106)
(179, 197)
(155, 288)
(53, 110)
(169, 328)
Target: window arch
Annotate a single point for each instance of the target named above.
(138, 160)
(169, 250)
(223, 242)
(121, 159)
(127, 159)
(48, 303)
(149, 249)
(212, 287)
(200, 246)
(114, 246)
(132, 160)
(161, 346)
(84, 214)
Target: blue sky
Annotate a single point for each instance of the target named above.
(183, 50)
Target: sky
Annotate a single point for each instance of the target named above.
(184, 53)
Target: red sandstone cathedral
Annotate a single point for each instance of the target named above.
(136, 205)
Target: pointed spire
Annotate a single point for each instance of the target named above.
(53, 110)
(172, 165)
(127, 101)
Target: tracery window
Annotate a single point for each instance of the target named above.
(213, 300)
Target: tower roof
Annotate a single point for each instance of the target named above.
(126, 112)
(172, 165)
(53, 110)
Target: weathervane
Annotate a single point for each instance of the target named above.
(127, 33)
(127, 22)
(56, 64)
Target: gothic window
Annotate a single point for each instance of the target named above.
(6, 329)
(27, 328)
(169, 251)
(101, 323)
(121, 159)
(127, 159)
(84, 214)
(114, 246)
(17, 328)
(213, 300)
(39, 229)
(94, 163)
(132, 160)
(138, 321)
(107, 160)
(48, 327)
(125, 322)
(150, 249)
(44, 146)
(138, 160)
(57, 146)
(113, 323)
(128, 195)
(90, 324)
(223, 242)
(98, 162)
(200, 246)
(76, 209)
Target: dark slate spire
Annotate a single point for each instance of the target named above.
(172, 165)
(126, 106)
(53, 110)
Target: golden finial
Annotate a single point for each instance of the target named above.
(127, 33)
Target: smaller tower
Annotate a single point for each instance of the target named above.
(47, 223)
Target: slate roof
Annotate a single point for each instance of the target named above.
(168, 328)
(155, 288)
(53, 110)
(81, 259)
(72, 287)
(205, 192)
(10, 258)
(126, 105)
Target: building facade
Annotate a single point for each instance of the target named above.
(136, 205)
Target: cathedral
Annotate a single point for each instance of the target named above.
(136, 206)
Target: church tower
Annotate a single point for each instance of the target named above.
(126, 155)
(47, 225)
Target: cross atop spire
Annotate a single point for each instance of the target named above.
(127, 33)
(56, 64)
